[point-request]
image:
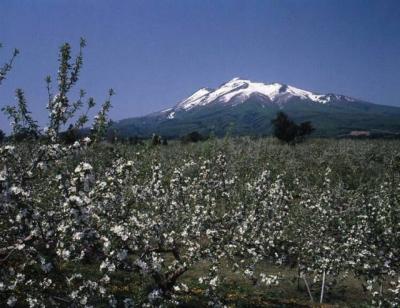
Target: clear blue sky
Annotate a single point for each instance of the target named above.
(155, 53)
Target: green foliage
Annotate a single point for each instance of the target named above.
(288, 131)
(284, 128)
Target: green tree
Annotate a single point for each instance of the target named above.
(287, 130)
(284, 128)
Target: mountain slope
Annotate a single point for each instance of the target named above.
(243, 107)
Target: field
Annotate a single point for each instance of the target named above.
(235, 221)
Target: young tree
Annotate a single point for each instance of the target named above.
(23, 125)
(101, 121)
(62, 109)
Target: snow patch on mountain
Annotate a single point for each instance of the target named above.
(239, 90)
(196, 99)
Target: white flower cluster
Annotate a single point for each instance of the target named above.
(63, 212)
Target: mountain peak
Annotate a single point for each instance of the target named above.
(238, 79)
(235, 79)
(239, 90)
(245, 80)
(251, 106)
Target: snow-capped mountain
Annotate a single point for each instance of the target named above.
(237, 91)
(244, 107)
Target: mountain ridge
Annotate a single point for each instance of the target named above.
(249, 107)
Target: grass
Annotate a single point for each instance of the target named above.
(237, 291)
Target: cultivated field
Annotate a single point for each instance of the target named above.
(236, 222)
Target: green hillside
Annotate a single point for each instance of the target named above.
(254, 118)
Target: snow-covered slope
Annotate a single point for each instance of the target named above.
(238, 90)
(243, 107)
